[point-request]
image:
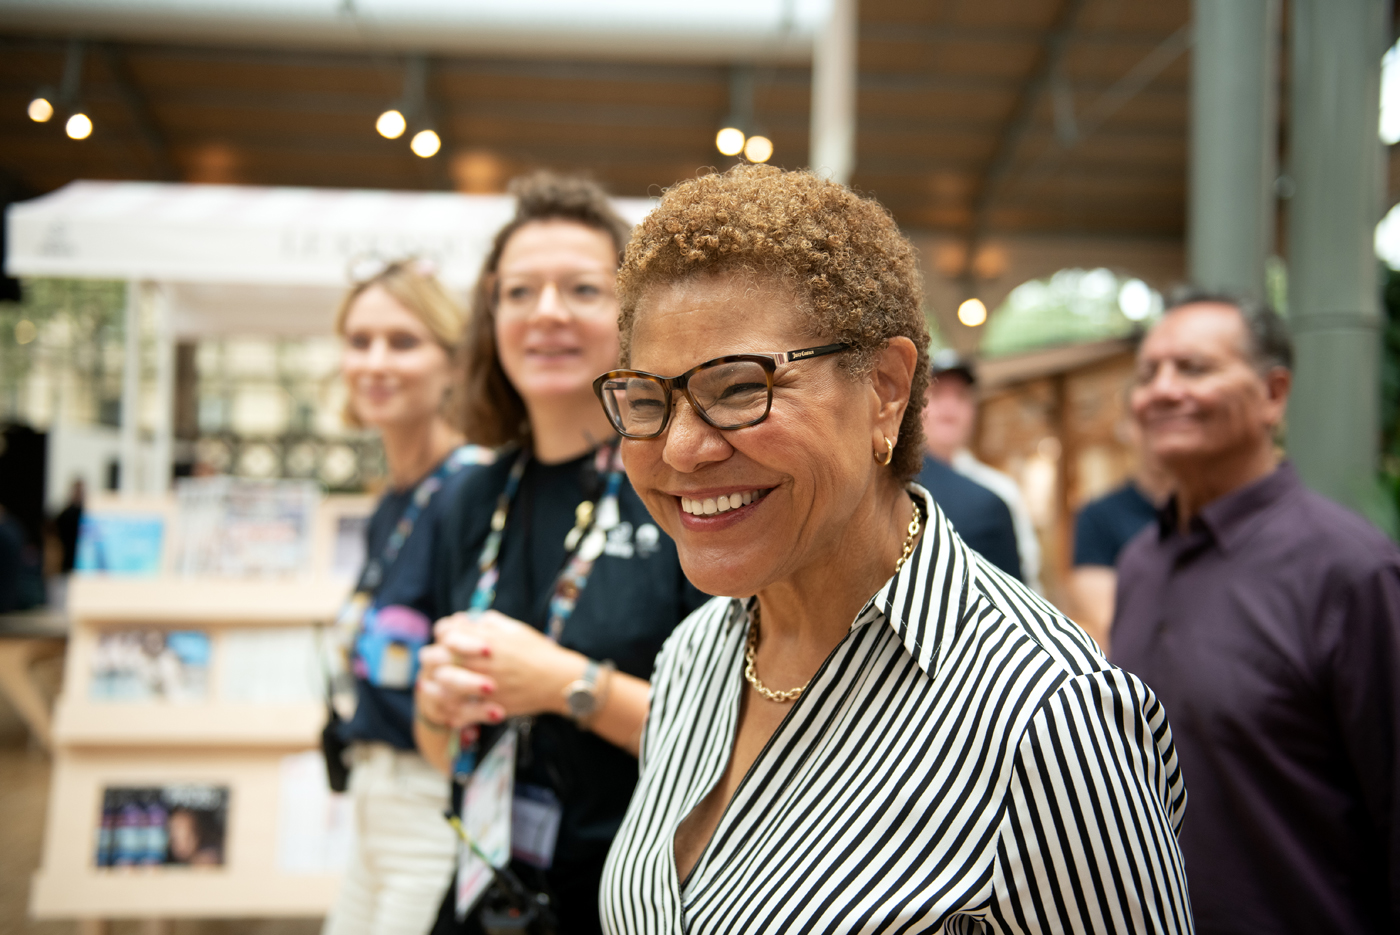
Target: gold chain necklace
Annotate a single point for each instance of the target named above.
(792, 694)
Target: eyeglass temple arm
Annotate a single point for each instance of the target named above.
(784, 357)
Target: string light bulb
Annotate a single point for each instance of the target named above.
(78, 127)
(40, 110)
(391, 124)
(730, 141)
(425, 144)
(758, 149)
(972, 313)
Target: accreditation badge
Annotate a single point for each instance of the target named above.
(486, 822)
(386, 652)
(535, 814)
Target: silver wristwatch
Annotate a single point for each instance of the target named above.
(582, 695)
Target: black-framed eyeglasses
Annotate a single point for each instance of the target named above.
(728, 392)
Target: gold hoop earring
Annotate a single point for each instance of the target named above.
(889, 453)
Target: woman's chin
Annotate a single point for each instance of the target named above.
(550, 388)
(724, 573)
(384, 418)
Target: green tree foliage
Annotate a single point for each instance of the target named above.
(71, 325)
(1072, 306)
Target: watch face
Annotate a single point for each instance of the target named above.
(582, 701)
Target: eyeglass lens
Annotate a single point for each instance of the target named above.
(730, 394)
(581, 293)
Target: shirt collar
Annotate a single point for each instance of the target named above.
(1227, 519)
(926, 599)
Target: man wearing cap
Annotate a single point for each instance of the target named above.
(949, 417)
(978, 514)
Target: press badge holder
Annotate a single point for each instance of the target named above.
(386, 648)
(486, 822)
(535, 814)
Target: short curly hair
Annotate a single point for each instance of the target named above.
(854, 274)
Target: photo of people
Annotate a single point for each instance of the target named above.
(164, 825)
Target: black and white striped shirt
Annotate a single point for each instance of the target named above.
(964, 761)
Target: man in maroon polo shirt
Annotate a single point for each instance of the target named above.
(1267, 619)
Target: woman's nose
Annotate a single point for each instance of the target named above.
(377, 355)
(691, 441)
(551, 303)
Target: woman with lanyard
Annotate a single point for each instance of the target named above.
(400, 332)
(568, 588)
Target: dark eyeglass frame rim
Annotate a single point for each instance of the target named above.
(681, 382)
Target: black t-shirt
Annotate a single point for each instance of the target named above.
(1105, 525)
(978, 515)
(635, 596)
(386, 714)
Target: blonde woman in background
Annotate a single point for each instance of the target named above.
(400, 330)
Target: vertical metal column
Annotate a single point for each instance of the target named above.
(1333, 299)
(833, 146)
(131, 393)
(1234, 144)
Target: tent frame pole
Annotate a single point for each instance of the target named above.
(158, 472)
(131, 393)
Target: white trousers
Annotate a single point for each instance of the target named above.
(405, 852)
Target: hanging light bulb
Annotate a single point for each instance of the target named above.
(425, 144)
(730, 141)
(758, 149)
(78, 127)
(391, 124)
(972, 313)
(40, 110)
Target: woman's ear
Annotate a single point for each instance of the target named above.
(891, 380)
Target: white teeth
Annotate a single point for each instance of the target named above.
(713, 505)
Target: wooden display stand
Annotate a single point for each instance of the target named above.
(238, 745)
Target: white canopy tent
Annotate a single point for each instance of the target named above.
(219, 260)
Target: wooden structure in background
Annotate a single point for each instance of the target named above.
(1054, 420)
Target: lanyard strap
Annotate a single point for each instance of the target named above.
(574, 578)
(376, 568)
(584, 543)
(485, 594)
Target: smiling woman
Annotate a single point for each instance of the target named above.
(875, 730)
(400, 330)
(566, 586)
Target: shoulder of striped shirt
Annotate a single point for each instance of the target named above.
(1083, 671)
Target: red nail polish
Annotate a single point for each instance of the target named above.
(497, 717)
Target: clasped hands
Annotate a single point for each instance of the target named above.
(487, 667)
